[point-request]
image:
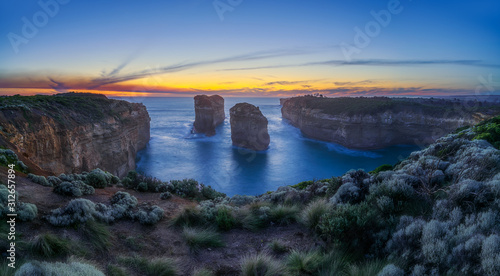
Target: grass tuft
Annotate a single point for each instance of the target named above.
(98, 234)
(261, 265)
(202, 238)
(154, 267)
(48, 246)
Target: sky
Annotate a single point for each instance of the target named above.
(250, 48)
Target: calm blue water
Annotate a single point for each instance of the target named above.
(174, 153)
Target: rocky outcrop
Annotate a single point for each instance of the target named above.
(374, 123)
(249, 127)
(209, 113)
(74, 134)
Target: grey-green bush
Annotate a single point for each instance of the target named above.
(39, 180)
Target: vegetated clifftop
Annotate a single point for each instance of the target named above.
(209, 113)
(249, 127)
(73, 132)
(372, 123)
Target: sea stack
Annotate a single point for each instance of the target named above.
(249, 127)
(209, 112)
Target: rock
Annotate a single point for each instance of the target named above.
(77, 133)
(379, 122)
(209, 112)
(249, 127)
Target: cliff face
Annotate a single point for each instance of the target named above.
(249, 127)
(209, 113)
(75, 134)
(373, 123)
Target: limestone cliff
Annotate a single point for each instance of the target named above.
(373, 123)
(209, 113)
(249, 127)
(73, 134)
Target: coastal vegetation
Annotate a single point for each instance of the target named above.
(433, 213)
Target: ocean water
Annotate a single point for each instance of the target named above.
(175, 153)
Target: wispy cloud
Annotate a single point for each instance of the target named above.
(373, 62)
(352, 83)
(260, 55)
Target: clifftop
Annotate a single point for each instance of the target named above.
(73, 133)
(378, 122)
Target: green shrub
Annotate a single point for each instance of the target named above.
(207, 192)
(149, 215)
(302, 185)
(165, 195)
(201, 238)
(489, 131)
(262, 265)
(47, 245)
(225, 219)
(75, 188)
(77, 211)
(26, 211)
(142, 187)
(382, 168)
(154, 267)
(39, 179)
(349, 226)
(97, 179)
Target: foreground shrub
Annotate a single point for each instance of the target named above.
(311, 215)
(26, 211)
(202, 238)
(349, 226)
(98, 179)
(75, 188)
(262, 265)
(39, 179)
(154, 267)
(48, 245)
(225, 219)
(149, 215)
(60, 269)
(77, 211)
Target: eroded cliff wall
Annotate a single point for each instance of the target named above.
(373, 123)
(73, 134)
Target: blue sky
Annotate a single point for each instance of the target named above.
(260, 48)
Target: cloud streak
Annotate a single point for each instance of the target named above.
(373, 62)
(260, 55)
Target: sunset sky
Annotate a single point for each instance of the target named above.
(250, 47)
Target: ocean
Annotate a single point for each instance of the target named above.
(175, 153)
